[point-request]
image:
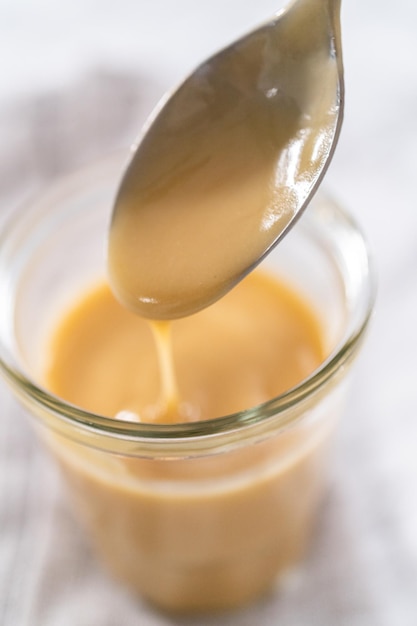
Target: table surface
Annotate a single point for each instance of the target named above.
(61, 62)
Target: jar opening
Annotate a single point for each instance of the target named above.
(323, 220)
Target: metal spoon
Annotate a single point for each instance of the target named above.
(227, 163)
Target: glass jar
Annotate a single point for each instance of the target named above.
(195, 516)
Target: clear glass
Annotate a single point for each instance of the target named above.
(197, 516)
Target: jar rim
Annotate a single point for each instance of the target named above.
(278, 407)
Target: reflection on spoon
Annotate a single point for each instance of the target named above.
(227, 163)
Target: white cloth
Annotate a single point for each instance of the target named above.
(362, 567)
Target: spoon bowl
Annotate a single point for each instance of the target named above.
(227, 163)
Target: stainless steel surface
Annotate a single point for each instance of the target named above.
(264, 113)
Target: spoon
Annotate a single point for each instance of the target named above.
(227, 163)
